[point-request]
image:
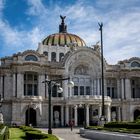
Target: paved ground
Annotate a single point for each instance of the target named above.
(67, 134)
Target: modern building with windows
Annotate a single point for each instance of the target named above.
(61, 55)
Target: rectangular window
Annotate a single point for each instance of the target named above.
(30, 84)
(35, 90)
(113, 93)
(133, 92)
(30, 77)
(81, 90)
(87, 90)
(108, 91)
(75, 90)
(54, 91)
(25, 89)
(29, 89)
(133, 82)
(35, 77)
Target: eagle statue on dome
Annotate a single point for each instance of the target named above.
(62, 17)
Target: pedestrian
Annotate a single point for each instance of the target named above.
(71, 125)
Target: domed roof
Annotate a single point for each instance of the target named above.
(63, 38)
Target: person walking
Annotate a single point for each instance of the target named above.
(71, 125)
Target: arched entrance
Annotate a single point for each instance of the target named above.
(136, 114)
(81, 116)
(57, 116)
(30, 116)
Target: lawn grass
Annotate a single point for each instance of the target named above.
(16, 134)
(19, 134)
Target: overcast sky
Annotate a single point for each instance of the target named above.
(25, 23)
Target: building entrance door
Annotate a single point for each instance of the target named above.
(31, 117)
(80, 116)
(136, 114)
(57, 116)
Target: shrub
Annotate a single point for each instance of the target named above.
(27, 128)
(116, 125)
(35, 135)
(122, 125)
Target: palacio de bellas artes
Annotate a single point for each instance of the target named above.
(24, 97)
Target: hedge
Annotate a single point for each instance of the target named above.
(27, 128)
(122, 125)
(32, 133)
(35, 135)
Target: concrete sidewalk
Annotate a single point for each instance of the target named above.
(66, 133)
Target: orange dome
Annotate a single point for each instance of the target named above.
(63, 38)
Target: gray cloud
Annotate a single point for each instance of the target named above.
(120, 18)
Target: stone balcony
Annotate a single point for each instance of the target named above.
(88, 99)
(33, 98)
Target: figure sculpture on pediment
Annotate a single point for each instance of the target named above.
(81, 70)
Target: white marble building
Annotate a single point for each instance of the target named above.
(25, 97)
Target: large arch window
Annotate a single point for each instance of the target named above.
(135, 64)
(31, 58)
(30, 84)
(61, 56)
(53, 56)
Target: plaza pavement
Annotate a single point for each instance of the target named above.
(66, 133)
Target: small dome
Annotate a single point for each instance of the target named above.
(63, 38)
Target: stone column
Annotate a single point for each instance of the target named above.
(119, 113)
(118, 88)
(122, 88)
(95, 87)
(87, 115)
(92, 87)
(105, 88)
(20, 85)
(65, 89)
(127, 89)
(75, 115)
(98, 86)
(67, 114)
(108, 113)
(57, 56)
(49, 56)
(41, 86)
(14, 80)
(100, 111)
(62, 115)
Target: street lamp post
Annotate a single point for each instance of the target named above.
(49, 83)
(102, 67)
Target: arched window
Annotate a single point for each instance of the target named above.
(61, 56)
(30, 84)
(53, 56)
(46, 53)
(31, 58)
(135, 64)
